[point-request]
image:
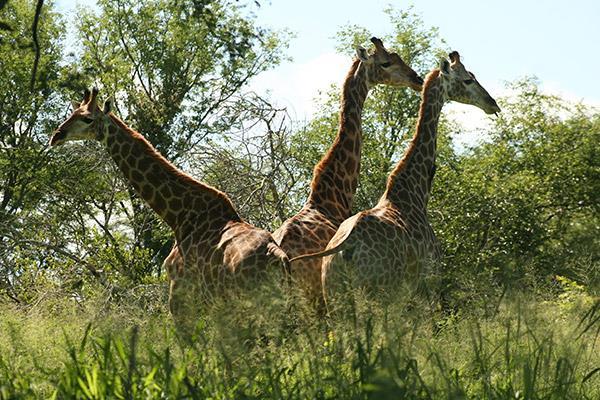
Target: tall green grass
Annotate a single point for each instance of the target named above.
(262, 347)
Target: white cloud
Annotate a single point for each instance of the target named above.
(475, 123)
(296, 86)
(555, 88)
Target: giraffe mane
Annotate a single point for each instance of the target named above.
(433, 75)
(326, 159)
(152, 152)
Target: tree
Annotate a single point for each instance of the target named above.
(26, 115)
(523, 206)
(178, 72)
(255, 164)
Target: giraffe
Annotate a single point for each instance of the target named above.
(394, 241)
(335, 177)
(215, 246)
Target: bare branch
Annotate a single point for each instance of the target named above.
(36, 44)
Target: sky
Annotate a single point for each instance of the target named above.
(499, 41)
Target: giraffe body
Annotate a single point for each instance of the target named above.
(335, 177)
(214, 245)
(394, 241)
(381, 246)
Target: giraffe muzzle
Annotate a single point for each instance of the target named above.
(58, 137)
(493, 107)
(417, 83)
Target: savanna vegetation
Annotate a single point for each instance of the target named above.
(83, 310)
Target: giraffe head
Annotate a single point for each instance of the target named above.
(461, 85)
(387, 68)
(83, 123)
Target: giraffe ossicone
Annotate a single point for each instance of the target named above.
(394, 241)
(335, 177)
(215, 247)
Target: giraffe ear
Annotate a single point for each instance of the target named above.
(107, 106)
(444, 66)
(362, 54)
(454, 56)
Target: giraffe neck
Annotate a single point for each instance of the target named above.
(335, 177)
(409, 184)
(179, 200)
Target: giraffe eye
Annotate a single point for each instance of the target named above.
(386, 64)
(469, 81)
(87, 120)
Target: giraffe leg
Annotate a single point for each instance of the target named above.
(183, 304)
(308, 277)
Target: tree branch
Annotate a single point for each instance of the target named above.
(49, 246)
(36, 44)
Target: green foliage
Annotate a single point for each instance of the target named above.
(179, 57)
(25, 118)
(177, 71)
(374, 351)
(523, 207)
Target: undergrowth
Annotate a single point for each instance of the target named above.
(261, 347)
